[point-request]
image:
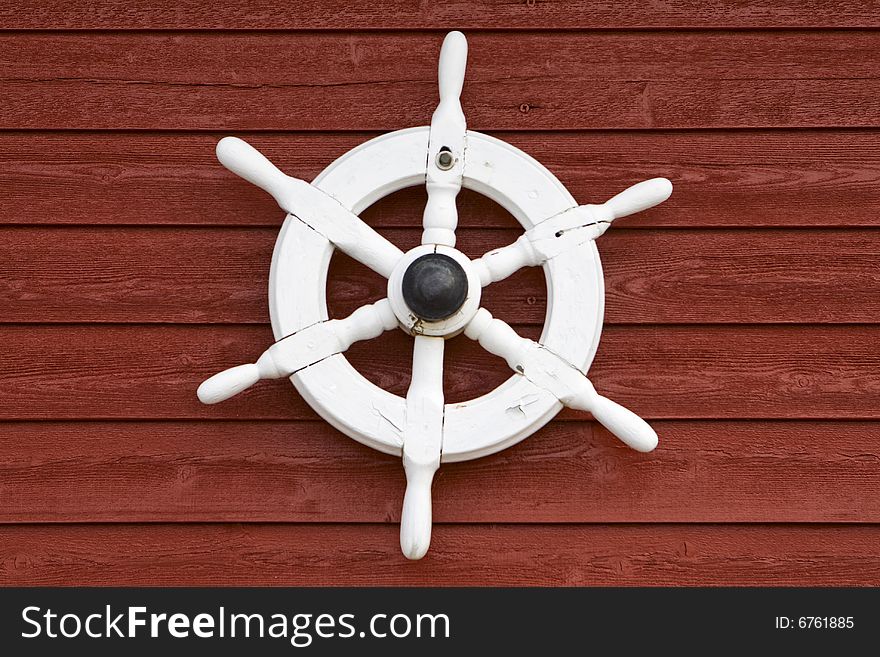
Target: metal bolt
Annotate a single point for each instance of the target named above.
(445, 161)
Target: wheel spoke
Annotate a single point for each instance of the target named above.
(640, 196)
(446, 145)
(498, 264)
(310, 205)
(422, 444)
(569, 229)
(559, 377)
(301, 349)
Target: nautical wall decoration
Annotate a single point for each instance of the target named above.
(434, 294)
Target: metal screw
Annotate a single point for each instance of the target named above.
(445, 161)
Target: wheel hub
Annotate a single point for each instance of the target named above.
(434, 286)
(434, 290)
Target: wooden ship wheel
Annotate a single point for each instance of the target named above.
(434, 294)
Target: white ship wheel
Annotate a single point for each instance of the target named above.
(434, 294)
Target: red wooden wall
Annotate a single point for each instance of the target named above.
(743, 316)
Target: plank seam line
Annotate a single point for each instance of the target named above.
(318, 421)
(536, 525)
(553, 29)
(368, 133)
(489, 130)
(826, 419)
(782, 326)
(619, 230)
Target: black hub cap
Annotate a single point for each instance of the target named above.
(434, 286)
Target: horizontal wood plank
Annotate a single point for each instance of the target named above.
(402, 14)
(730, 179)
(382, 81)
(220, 275)
(461, 555)
(689, 372)
(307, 472)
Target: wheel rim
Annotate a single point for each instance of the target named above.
(375, 417)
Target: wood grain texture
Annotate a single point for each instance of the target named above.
(461, 555)
(373, 81)
(401, 14)
(704, 471)
(199, 275)
(143, 372)
(731, 179)
(132, 266)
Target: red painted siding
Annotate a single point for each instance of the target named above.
(742, 315)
